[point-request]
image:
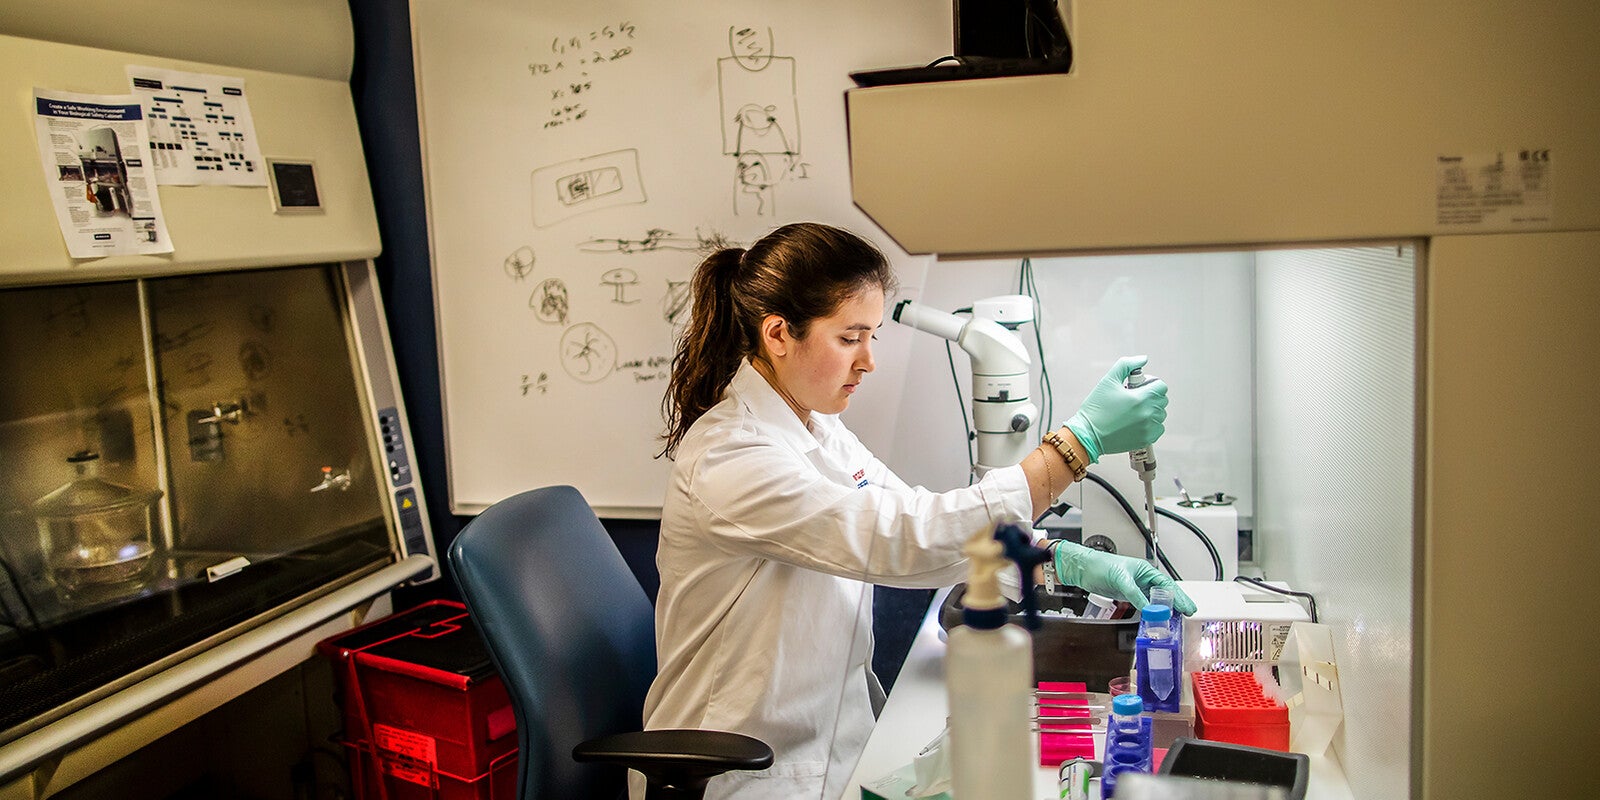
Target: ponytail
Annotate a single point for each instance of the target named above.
(710, 349)
(800, 272)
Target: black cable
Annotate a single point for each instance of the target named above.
(1269, 587)
(1149, 540)
(1211, 547)
(941, 59)
(1047, 396)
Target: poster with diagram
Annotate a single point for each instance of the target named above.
(200, 128)
(92, 149)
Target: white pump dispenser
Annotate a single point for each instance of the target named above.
(989, 677)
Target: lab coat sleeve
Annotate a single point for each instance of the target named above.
(766, 501)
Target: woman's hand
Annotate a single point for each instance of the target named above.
(1116, 419)
(1115, 576)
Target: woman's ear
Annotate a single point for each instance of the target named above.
(775, 335)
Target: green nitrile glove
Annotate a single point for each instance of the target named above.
(1116, 419)
(1115, 576)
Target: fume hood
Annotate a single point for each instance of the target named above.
(208, 466)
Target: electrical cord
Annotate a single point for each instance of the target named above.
(1149, 540)
(941, 59)
(1269, 587)
(961, 405)
(1211, 547)
(1027, 286)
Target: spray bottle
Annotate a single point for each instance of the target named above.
(989, 673)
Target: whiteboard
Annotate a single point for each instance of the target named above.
(578, 158)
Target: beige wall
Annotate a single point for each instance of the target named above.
(1511, 532)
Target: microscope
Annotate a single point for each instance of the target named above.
(1001, 411)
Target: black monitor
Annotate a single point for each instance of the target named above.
(993, 38)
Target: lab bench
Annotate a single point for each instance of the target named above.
(917, 706)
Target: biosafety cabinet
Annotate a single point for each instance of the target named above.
(207, 465)
(1464, 131)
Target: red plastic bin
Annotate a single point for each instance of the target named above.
(1230, 707)
(417, 688)
(376, 775)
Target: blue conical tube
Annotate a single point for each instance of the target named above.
(1157, 659)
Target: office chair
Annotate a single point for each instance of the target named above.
(573, 636)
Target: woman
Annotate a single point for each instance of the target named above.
(777, 520)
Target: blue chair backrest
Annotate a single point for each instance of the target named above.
(567, 625)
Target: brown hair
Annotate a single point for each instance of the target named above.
(799, 272)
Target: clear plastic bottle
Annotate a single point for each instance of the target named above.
(989, 678)
(1158, 660)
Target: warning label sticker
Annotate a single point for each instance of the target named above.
(418, 775)
(1509, 190)
(414, 746)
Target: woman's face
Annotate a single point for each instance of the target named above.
(820, 372)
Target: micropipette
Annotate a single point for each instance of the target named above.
(1144, 463)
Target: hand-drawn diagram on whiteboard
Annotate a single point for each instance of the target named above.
(549, 301)
(619, 280)
(656, 239)
(520, 262)
(588, 353)
(675, 303)
(760, 119)
(569, 188)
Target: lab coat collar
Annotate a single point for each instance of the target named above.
(764, 403)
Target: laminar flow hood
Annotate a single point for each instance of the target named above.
(1464, 131)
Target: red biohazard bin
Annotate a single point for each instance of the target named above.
(380, 775)
(1230, 707)
(425, 712)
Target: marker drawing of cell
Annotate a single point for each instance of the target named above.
(580, 185)
(675, 303)
(549, 301)
(520, 263)
(588, 353)
(619, 280)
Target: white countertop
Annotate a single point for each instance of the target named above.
(915, 713)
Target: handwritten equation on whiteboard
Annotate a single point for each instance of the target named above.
(575, 63)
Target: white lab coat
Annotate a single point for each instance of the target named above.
(771, 537)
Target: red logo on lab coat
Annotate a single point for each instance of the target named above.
(860, 478)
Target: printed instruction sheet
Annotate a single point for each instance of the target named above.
(93, 150)
(200, 128)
